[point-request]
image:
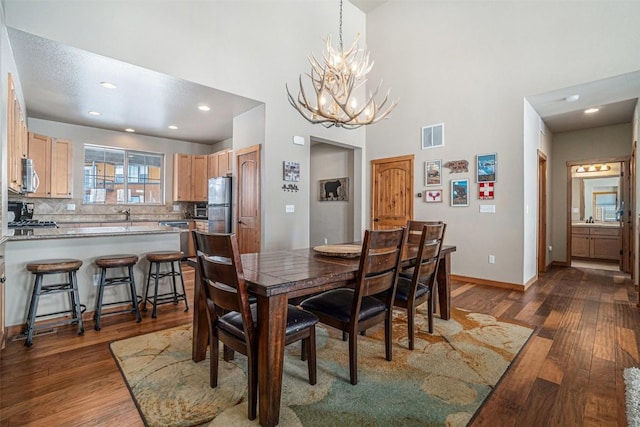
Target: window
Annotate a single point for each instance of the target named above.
(605, 206)
(116, 176)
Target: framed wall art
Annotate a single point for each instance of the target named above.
(433, 172)
(334, 189)
(459, 192)
(486, 167)
(291, 171)
(433, 196)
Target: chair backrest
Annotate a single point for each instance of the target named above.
(426, 238)
(222, 277)
(379, 264)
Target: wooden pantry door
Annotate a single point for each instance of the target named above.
(248, 201)
(391, 192)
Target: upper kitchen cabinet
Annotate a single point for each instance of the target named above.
(17, 139)
(189, 178)
(220, 164)
(53, 162)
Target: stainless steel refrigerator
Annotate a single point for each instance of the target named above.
(219, 205)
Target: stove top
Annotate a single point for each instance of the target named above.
(31, 223)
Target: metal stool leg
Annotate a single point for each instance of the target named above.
(31, 319)
(77, 307)
(98, 312)
(184, 291)
(134, 294)
(173, 283)
(146, 288)
(155, 292)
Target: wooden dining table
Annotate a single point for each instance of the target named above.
(277, 277)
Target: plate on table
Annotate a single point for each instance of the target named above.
(343, 251)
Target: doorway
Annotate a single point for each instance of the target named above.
(598, 217)
(391, 192)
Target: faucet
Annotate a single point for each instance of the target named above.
(127, 214)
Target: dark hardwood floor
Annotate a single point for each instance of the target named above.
(569, 374)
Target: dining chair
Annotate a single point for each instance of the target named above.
(232, 318)
(416, 285)
(355, 310)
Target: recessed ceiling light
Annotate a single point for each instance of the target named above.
(591, 110)
(94, 113)
(173, 127)
(108, 85)
(572, 98)
(129, 130)
(204, 108)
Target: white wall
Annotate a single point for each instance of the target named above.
(602, 142)
(331, 220)
(470, 64)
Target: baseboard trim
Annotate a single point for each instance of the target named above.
(493, 283)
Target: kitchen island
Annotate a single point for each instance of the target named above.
(83, 243)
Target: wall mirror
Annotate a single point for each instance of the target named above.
(596, 195)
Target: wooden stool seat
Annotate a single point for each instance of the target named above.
(116, 261)
(173, 296)
(40, 268)
(165, 256)
(111, 261)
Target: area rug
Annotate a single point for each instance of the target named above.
(632, 396)
(442, 382)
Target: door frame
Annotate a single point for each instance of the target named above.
(542, 212)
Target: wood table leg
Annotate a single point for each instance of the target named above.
(444, 286)
(272, 319)
(200, 322)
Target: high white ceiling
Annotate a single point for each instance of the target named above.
(62, 83)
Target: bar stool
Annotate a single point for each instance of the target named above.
(159, 258)
(116, 261)
(54, 266)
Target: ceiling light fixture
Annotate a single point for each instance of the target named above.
(129, 130)
(94, 113)
(204, 108)
(108, 85)
(334, 82)
(591, 110)
(174, 127)
(572, 98)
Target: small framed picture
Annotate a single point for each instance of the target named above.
(334, 189)
(291, 171)
(459, 192)
(433, 195)
(486, 167)
(433, 172)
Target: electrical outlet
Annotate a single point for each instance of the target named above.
(176, 208)
(550, 248)
(71, 207)
(326, 241)
(492, 259)
(96, 280)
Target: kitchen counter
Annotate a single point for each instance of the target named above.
(596, 224)
(75, 232)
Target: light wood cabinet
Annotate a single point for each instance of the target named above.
(595, 242)
(16, 139)
(220, 164)
(190, 178)
(53, 162)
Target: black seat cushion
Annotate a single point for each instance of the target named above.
(297, 320)
(337, 304)
(404, 285)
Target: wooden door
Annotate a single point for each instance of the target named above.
(212, 165)
(181, 177)
(248, 201)
(391, 192)
(61, 168)
(199, 182)
(39, 149)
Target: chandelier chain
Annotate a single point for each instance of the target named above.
(340, 32)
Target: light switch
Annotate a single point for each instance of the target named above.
(488, 208)
(290, 208)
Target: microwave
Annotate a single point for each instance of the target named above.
(200, 210)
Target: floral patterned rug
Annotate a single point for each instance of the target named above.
(442, 382)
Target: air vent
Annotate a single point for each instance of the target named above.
(433, 136)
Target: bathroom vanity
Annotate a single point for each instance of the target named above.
(596, 241)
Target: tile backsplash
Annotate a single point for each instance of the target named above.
(57, 210)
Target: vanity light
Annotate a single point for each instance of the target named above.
(604, 168)
(591, 110)
(592, 168)
(108, 85)
(174, 127)
(580, 169)
(129, 130)
(204, 108)
(94, 113)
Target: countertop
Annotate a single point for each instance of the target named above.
(596, 224)
(74, 232)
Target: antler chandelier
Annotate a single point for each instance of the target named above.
(334, 82)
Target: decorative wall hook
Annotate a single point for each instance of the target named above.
(290, 187)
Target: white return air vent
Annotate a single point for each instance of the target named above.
(433, 136)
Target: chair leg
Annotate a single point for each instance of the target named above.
(411, 318)
(252, 368)
(213, 360)
(388, 328)
(311, 356)
(344, 335)
(304, 351)
(430, 312)
(353, 357)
